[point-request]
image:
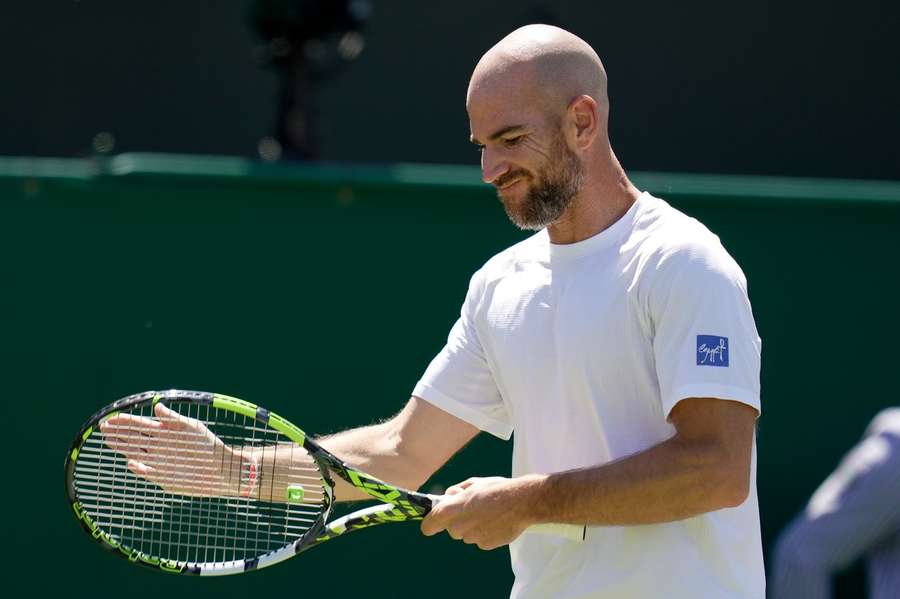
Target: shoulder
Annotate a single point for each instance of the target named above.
(673, 246)
(512, 259)
(501, 266)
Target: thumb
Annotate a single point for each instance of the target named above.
(435, 521)
(145, 471)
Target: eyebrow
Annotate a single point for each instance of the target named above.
(497, 134)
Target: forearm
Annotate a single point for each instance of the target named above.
(670, 481)
(375, 450)
(402, 451)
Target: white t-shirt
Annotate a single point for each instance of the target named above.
(583, 350)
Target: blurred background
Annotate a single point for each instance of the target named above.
(771, 87)
(265, 198)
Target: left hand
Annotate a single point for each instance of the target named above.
(488, 512)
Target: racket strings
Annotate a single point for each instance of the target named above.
(111, 483)
(203, 471)
(177, 513)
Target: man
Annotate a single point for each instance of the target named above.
(617, 342)
(855, 513)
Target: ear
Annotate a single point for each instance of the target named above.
(584, 113)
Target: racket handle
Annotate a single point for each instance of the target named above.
(573, 532)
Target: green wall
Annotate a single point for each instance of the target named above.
(323, 292)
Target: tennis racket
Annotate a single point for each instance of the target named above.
(199, 483)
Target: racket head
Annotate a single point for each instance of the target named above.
(175, 518)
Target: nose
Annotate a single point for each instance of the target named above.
(492, 165)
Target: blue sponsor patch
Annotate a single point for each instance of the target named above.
(712, 350)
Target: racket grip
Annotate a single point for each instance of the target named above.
(573, 532)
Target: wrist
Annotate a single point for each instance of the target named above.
(249, 477)
(241, 478)
(533, 499)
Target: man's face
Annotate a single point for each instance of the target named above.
(536, 199)
(525, 156)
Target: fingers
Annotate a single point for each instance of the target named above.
(460, 487)
(172, 421)
(150, 440)
(471, 511)
(440, 516)
(488, 546)
(448, 514)
(130, 422)
(126, 445)
(166, 420)
(448, 520)
(430, 526)
(145, 471)
(140, 468)
(169, 419)
(129, 434)
(455, 532)
(445, 510)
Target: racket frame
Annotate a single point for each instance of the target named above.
(398, 504)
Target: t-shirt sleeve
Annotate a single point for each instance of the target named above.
(705, 341)
(459, 379)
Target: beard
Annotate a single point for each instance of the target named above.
(549, 193)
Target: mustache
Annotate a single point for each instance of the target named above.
(506, 178)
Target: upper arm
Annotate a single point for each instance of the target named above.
(460, 380)
(705, 341)
(708, 352)
(722, 432)
(427, 436)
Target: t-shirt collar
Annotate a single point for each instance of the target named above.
(598, 242)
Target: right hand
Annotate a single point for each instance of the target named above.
(178, 453)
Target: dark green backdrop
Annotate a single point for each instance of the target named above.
(322, 293)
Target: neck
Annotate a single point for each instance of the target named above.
(605, 197)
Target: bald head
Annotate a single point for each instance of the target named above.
(538, 112)
(542, 65)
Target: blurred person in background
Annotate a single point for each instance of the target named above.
(855, 513)
(307, 42)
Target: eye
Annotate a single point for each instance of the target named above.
(479, 148)
(511, 142)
